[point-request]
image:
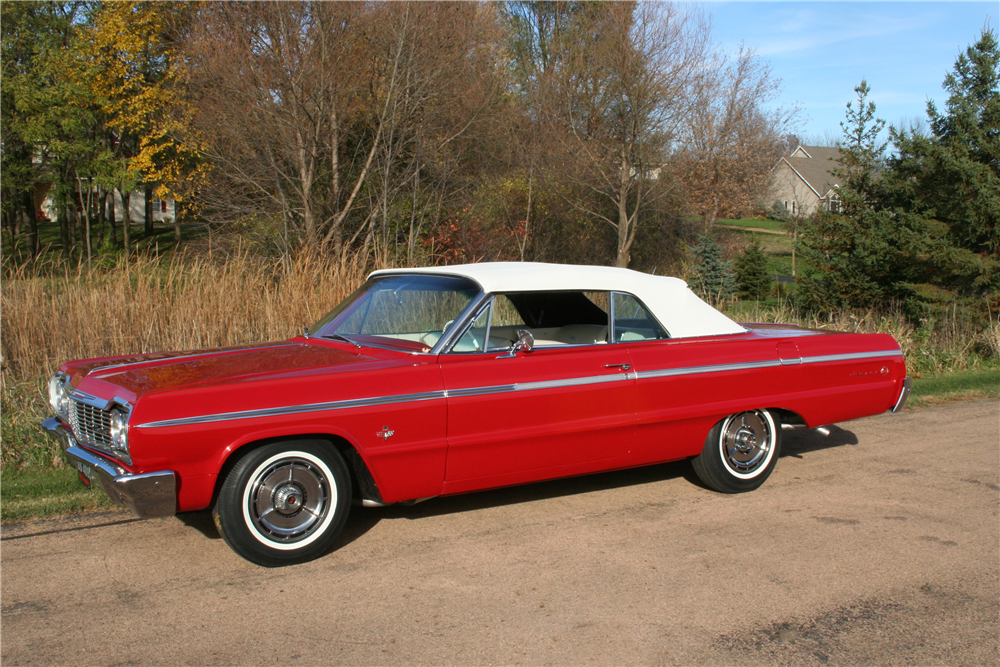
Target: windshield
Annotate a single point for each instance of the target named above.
(404, 312)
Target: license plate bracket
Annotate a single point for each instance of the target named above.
(85, 474)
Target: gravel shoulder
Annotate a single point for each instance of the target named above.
(876, 544)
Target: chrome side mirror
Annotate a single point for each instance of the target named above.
(524, 343)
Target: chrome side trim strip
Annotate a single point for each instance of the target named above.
(851, 356)
(500, 389)
(769, 363)
(297, 409)
(715, 368)
(574, 382)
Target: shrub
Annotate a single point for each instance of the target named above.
(753, 280)
(779, 212)
(712, 277)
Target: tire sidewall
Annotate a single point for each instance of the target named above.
(232, 512)
(716, 474)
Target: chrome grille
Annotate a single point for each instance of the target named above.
(91, 426)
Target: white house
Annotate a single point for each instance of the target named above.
(163, 209)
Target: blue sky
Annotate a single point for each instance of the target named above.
(822, 50)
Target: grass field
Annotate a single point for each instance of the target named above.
(778, 247)
(40, 492)
(971, 385)
(758, 223)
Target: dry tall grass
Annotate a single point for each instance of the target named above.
(955, 344)
(144, 306)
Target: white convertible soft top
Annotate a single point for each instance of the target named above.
(670, 300)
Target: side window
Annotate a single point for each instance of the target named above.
(552, 318)
(633, 322)
(506, 323)
(495, 329)
(474, 339)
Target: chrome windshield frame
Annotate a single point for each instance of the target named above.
(462, 322)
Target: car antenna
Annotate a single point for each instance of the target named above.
(305, 332)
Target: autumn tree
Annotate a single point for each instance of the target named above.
(138, 75)
(316, 113)
(732, 137)
(622, 102)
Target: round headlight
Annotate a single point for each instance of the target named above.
(119, 430)
(59, 391)
(55, 390)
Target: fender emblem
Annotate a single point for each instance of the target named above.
(385, 433)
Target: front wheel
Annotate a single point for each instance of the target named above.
(284, 503)
(740, 452)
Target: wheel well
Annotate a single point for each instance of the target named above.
(790, 417)
(362, 482)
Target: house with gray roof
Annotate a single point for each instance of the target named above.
(804, 181)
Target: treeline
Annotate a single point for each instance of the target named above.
(401, 133)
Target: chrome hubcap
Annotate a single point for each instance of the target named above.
(746, 442)
(289, 499)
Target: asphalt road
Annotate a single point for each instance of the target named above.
(877, 544)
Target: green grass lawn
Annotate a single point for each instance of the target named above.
(772, 225)
(161, 241)
(935, 389)
(36, 492)
(778, 248)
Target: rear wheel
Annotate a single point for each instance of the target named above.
(740, 452)
(284, 503)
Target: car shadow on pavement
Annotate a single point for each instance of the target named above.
(363, 519)
(526, 493)
(799, 442)
(202, 522)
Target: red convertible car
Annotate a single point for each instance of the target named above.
(437, 381)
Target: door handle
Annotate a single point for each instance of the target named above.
(623, 367)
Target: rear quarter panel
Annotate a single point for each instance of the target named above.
(707, 379)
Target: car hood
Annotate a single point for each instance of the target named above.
(142, 374)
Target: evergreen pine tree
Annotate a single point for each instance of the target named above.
(880, 247)
(953, 175)
(752, 277)
(712, 278)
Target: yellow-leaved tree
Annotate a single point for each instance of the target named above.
(139, 76)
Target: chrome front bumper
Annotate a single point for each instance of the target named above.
(903, 395)
(148, 495)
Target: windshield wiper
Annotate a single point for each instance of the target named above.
(337, 336)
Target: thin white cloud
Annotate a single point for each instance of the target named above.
(820, 32)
